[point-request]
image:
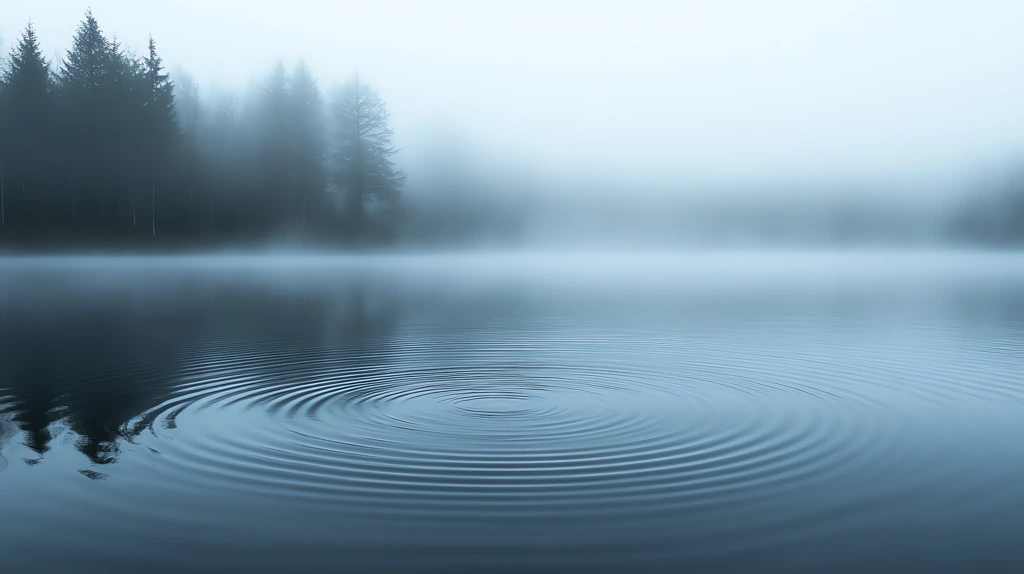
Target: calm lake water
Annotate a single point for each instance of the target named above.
(483, 413)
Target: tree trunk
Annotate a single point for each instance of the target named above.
(3, 211)
(152, 216)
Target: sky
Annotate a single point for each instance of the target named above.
(667, 94)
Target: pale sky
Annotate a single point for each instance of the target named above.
(721, 92)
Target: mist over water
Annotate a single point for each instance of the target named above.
(460, 286)
(467, 413)
(583, 123)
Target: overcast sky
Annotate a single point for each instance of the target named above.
(719, 92)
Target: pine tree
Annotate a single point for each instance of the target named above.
(27, 79)
(273, 195)
(362, 167)
(109, 141)
(187, 112)
(126, 161)
(104, 104)
(86, 86)
(306, 144)
(86, 68)
(159, 102)
(160, 131)
(26, 122)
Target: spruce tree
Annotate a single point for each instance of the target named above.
(26, 82)
(362, 167)
(272, 197)
(88, 117)
(159, 128)
(85, 71)
(306, 145)
(159, 102)
(26, 120)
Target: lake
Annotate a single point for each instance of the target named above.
(490, 412)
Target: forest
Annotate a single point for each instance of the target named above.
(101, 149)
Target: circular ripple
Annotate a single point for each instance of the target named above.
(561, 435)
(624, 427)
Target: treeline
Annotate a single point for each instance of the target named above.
(103, 148)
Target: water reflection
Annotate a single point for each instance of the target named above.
(669, 413)
(79, 365)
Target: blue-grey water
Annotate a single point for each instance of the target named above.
(812, 411)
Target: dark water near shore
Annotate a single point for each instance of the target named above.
(806, 411)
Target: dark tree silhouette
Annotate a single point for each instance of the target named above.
(158, 122)
(26, 113)
(108, 150)
(90, 82)
(307, 146)
(362, 168)
(272, 196)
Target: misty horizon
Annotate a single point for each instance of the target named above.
(496, 189)
(847, 99)
(470, 287)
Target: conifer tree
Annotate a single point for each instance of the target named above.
(107, 147)
(26, 122)
(274, 192)
(85, 71)
(160, 131)
(86, 89)
(362, 167)
(159, 103)
(306, 143)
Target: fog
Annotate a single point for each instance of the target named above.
(490, 286)
(661, 121)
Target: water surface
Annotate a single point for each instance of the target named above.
(712, 411)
